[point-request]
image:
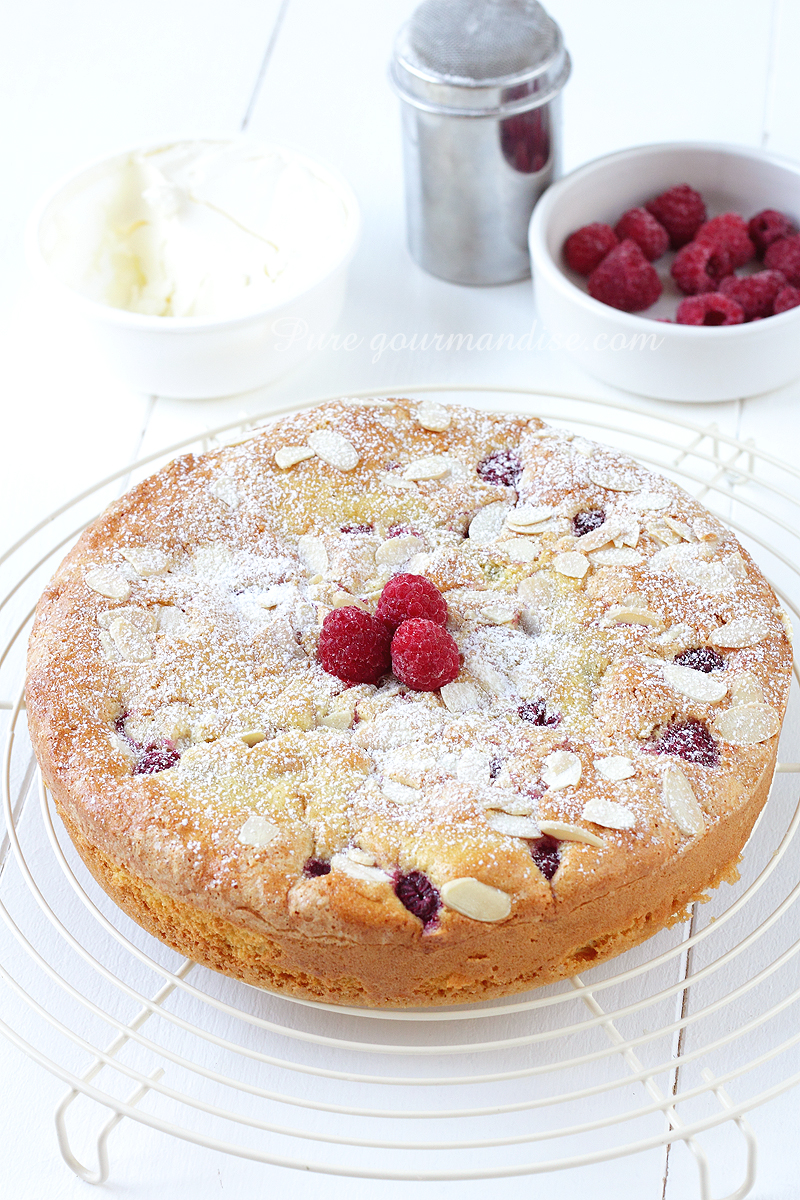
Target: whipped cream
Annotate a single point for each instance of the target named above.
(198, 229)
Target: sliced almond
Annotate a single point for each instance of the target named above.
(497, 612)
(662, 533)
(334, 449)
(143, 618)
(108, 581)
(554, 525)
(364, 857)
(681, 802)
(786, 621)
(623, 556)
(392, 480)
(173, 621)
(745, 689)
(528, 514)
(520, 550)
(706, 530)
(679, 636)
(680, 528)
(433, 416)
(487, 523)
(705, 687)
(397, 550)
(522, 827)
(225, 489)
(460, 697)
(714, 578)
(570, 833)
(432, 466)
(258, 831)
(108, 647)
(615, 767)
(747, 724)
(622, 614)
(608, 814)
(346, 600)
(131, 644)
(400, 793)
(290, 456)
(356, 870)
(313, 554)
(614, 479)
(736, 565)
(595, 539)
(504, 800)
(629, 532)
(473, 766)
(476, 900)
(741, 631)
(251, 737)
(571, 564)
(561, 769)
(147, 560)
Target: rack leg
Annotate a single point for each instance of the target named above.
(100, 1174)
(675, 1122)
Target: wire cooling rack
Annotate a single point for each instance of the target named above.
(679, 1036)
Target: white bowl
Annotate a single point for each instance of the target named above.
(633, 351)
(199, 357)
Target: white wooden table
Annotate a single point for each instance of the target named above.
(87, 78)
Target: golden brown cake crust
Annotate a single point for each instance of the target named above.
(185, 624)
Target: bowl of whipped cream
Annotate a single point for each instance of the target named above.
(195, 264)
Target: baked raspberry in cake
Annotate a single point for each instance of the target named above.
(590, 677)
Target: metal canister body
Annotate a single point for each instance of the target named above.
(478, 154)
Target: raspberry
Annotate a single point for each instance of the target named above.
(545, 853)
(424, 656)
(649, 234)
(407, 596)
(788, 297)
(756, 293)
(785, 256)
(767, 227)
(699, 267)
(681, 211)
(156, 758)
(690, 741)
(314, 867)
(354, 646)
(416, 892)
(535, 711)
(586, 521)
(728, 232)
(625, 279)
(586, 248)
(701, 658)
(711, 309)
(501, 466)
(357, 528)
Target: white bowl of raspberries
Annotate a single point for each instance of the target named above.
(673, 270)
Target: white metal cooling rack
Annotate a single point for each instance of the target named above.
(684, 1034)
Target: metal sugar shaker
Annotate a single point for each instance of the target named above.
(480, 83)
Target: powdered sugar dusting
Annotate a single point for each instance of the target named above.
(217, 653)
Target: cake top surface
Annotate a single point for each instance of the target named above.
(624, 670)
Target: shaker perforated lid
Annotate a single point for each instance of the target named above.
(480, 57)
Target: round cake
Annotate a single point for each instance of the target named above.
(395, 704)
